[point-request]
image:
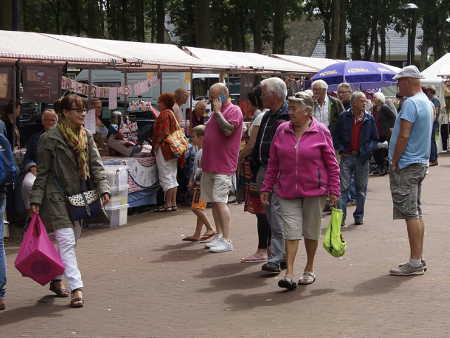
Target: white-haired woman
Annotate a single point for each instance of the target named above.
(302, 172)
(384, 120)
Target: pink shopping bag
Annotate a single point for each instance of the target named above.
(38, 258)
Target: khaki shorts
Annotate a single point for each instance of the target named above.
(215, 187)
(301, 216)
(406, 189)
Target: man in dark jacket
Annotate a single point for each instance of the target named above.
(274, 93)
(355, 140)
(49, 119)
(384, 120)
(326, 108)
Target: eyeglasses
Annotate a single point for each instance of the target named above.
(78, 110)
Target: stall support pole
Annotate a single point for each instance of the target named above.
(125, 83)
(160, 80)
(90, 88)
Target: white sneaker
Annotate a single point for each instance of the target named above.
(223, 246)
(214, 242)
(210, 239)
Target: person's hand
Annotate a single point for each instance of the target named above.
(105, 198)
(264, 196)
(393, 166)
(216, 105)
(333, 200)
(190, 185)
(35, 208)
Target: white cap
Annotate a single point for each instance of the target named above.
(409, 71)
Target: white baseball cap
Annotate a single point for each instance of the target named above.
(409, 71)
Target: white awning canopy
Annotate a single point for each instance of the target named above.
(36, 46)
(152, 56)
(314, 63)
(248, 62)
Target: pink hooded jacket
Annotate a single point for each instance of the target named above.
(302, 168)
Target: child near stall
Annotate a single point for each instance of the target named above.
(198, 206)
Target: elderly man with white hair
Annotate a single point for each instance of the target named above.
(384, 120)
(326, 108)
(221, 146)
(274, 93)
(355, 140)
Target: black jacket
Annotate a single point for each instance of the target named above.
(267, 129)
(385, 121)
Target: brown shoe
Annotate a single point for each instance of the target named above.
(2, 305)
(77, 298)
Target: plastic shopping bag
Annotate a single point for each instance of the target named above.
(37, 257)
(333, 241)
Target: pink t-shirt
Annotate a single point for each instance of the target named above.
(220, 152)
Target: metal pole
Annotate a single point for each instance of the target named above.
(125, 83)
(160, 80)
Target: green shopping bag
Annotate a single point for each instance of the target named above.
(333, 241)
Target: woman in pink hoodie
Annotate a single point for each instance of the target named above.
(302, 172)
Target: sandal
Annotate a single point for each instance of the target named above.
(254, 259)
(307, 278)
(58, 291)
(161, 209)
(191, 239)
(287, 283)
(207, 236)
(76, 302)
(172, 208)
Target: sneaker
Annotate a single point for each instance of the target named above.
(271, 267)
(407, 270)
(223, 246)
(424, 264)
(359, 221)
(214, 242)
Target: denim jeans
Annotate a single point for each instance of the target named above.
(277, 250)
(352, 189)
(2, 247)
(433, 153)
(351, 165)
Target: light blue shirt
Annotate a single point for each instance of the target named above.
(418, 110)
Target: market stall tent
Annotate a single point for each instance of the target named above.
(248, 62)
(434, 75)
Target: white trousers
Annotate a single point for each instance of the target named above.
(66, 240)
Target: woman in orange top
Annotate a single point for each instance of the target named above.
(166, 162)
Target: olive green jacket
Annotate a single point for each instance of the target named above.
(57, 163)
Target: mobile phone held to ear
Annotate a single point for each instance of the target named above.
(222, 98)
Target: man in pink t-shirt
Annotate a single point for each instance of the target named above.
(219, 162)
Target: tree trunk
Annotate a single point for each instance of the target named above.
(336, 17)
(160, 15)
(342, 48)
(92, 24)
(76, 16)
(382, 34)
(257, 27)
(279, 31)
(203, 29)
(412, 40)
(139, 15)
(6, 15)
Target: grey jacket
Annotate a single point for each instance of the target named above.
(57, 163)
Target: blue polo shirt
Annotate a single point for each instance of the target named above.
(418, 110)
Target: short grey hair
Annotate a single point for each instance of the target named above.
(302, 99)
(49, 111)
(380, 97)
(320, 83)
(276, 86)
(344, 85)
(356, 95)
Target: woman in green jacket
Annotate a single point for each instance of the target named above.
(68, 158)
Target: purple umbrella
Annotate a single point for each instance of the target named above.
(361, 75)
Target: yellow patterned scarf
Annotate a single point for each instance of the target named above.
(77, 140)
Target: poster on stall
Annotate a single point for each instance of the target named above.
(112, 102)
(41, 83)
(89, 121)
(5, 83)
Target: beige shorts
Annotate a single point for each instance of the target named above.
(215, 187)
(301, 216)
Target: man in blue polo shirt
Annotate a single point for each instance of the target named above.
(409, 151)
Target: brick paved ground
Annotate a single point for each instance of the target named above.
(142, 281)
